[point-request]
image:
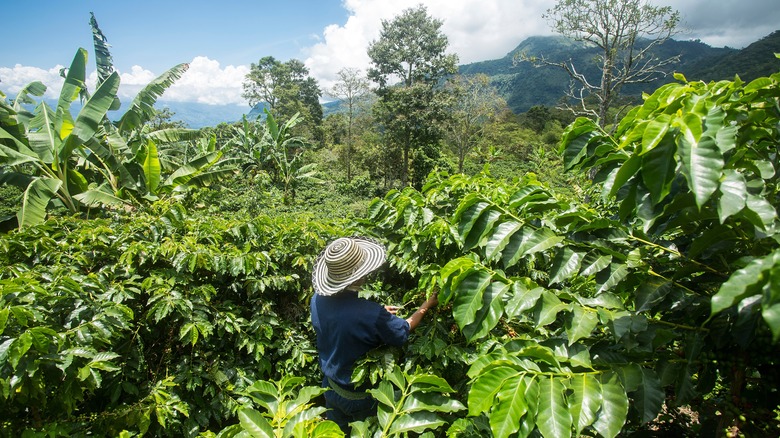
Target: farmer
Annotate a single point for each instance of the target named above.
(347, 326)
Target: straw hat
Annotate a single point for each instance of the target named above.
(345, 261)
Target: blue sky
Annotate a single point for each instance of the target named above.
(220, 39)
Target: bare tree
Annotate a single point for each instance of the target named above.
(350, 89)
(473, 105)
(626, 32)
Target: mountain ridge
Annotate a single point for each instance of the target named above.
(524, 85)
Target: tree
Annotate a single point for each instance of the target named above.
(410, 50)
(475, 103)
(625, 32)
(351, 88)
(287, 89)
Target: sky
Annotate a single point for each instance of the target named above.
(221, 39)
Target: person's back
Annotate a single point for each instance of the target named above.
(348, 326)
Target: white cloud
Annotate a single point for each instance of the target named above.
(13, 79)
(204, 82)
(477, 30)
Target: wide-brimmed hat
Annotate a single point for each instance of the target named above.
(345, 261)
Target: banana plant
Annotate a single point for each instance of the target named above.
(53, 142)
(286, 151)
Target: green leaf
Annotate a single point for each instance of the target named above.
(553, 418)
(429, 382)
(383, 393)
(74, 81)
(3, 319)
(547, 310)
(431, 401)
(485, 387)
(659, 169)
(626, 171)
(763, 210)
(649, 398)
(327, 429)
(415, 422)
(525, 295)
(614, 406)
(483, 226)
(585, 400)
(189, 333)
(35, 200)
(702, 160)
(100, 196)
(576, 139)
(512, 250)
(142, 110)
(152, 168)
(468, 296)
(488, 315)
(255, 424)
(654, 132)
(743, 283)
(734, 194)
(187, 172)
(539, 241)
(650, 293)
(594, 263)
(509, 407)
(565, 264)
(580, 323)
(500, 237)
(19, 348)
(90, 116)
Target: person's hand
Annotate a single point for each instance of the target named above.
(432, 301)
(392, 309)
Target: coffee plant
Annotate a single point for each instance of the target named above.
(654, 295)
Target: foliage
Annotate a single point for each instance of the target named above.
(286, 151)
(87, 161)
(410, 49)
(50, 140)
(149, 324)
(288, 411)
(288, 89)
(409, 403)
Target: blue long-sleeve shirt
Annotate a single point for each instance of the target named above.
(347, 328)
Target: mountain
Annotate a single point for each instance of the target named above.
(524, 85)
(753, 61)
(200, 115)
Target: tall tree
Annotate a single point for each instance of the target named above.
(407, 62)
(350, 89)
(626, 32)
(287, 89)
(473, 105)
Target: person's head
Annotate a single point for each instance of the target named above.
(344, 262)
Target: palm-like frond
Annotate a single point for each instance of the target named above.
(103, 59)
(142, 108)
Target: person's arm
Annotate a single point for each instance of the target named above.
(417, 316)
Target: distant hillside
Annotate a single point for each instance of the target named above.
(753, 61)
(523, 85)
(200, 115)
